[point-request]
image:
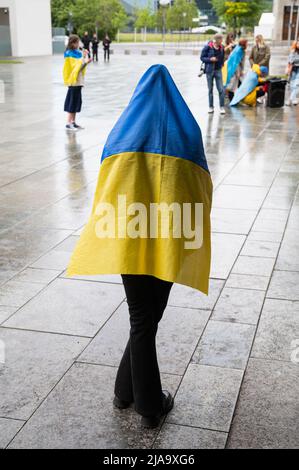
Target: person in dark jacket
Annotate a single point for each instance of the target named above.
(86, 42)
(106, 47)
(213, 57)
(95, 47)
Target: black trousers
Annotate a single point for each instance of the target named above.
(95, 55)
(138, 376)
(106, 54)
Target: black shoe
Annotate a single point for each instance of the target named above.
(121, 404)
(154, 421)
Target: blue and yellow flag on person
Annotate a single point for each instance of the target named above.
(153, 175)
(247, 91)
(230, 66)
(73, 62)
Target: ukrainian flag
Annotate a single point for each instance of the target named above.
(247, 90)
(73, 62)
(230, 66)
(153, 155)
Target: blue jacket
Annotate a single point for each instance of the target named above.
(207, 53)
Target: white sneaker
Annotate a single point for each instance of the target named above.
(77, 126)
(222, 111)
(288, 103)
(295, 103)
(211, 110)
(71, 127)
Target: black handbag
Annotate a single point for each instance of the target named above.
(202, 69)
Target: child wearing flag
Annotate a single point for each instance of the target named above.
(74, 69)
(154, 157)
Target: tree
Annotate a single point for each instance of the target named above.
(103, 16)
(240, 13)
(145, 18)
(60, 10)
(180, 15)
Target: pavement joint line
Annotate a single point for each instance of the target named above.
(186, 426)
(2, 326)
(116, 367)
(13, 419)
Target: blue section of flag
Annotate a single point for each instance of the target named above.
(157, 120)
(73, 53)
(233, 61)
(249, 83)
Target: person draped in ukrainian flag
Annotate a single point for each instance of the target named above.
(150, 222)
(233, 68)
(74, 69)
(253, 86)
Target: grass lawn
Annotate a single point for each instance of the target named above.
(8, 61)
(169, 37)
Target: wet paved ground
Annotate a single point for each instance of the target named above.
(230, 358)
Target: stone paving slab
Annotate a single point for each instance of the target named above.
(62, 308)
(232, 220)
(225, 344)
(206, 397)
(6, 312)
(173, 436)
(254, 265)
(248, 281)
(284, 285)
(8, 429)
(79, 414)
(34, 362)
(239, 305)
(183, 296)
(267, 410)
(225, 249)
(16, 294)
(278, 334)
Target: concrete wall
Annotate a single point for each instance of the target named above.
(30, 27)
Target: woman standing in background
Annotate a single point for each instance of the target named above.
(293, 73)
(230, 44)
(260, 53)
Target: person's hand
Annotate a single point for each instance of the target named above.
(213, 59)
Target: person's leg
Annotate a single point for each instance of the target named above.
(123, 388)
(230, 95)
(105, 54)
(219, 85)
(123, 385)
(71, 117)
(108, 54)
(294, 86)
(146, 298)
(210, 79)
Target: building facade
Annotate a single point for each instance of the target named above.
(286, 26)
(25, 28)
